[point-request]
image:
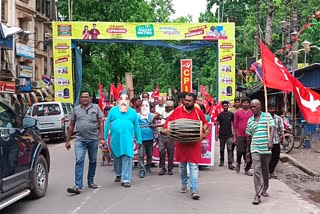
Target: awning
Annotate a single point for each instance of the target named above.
(6, 31)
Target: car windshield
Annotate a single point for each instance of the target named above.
(46, 110)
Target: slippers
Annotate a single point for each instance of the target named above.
(74, 190)
(93, 186)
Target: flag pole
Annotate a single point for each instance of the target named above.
(265, 96)
(266, 107)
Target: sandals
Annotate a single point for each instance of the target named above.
(195, 196)
(126, 184)
(74, 190)
(93, 186)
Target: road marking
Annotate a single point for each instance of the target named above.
(86, 200)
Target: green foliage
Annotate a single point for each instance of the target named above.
(151, 66)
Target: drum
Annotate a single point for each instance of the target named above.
(185, 130)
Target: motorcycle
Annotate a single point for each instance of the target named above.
(287, 143)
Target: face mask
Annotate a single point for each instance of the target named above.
(145, 108)
(124, 103)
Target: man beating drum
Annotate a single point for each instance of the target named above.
(181, 125)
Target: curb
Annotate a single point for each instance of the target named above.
(293, 161)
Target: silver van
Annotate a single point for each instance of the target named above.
(53, 118)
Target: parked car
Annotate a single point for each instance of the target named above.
(24, 158)
(53, 118)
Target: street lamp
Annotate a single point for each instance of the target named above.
(283, 25)
(306, 45)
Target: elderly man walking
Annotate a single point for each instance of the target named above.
(259, 143)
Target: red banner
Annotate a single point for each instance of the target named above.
(207, 150)
(186, 75)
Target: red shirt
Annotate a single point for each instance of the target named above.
(187, 152)
(240, 121)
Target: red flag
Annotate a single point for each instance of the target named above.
(215, 110)
(155, 93)
(102, 100)
(275, 75)
(114, 92)
(111, 90)
(308, 101)
(120, 88)
(205, 94)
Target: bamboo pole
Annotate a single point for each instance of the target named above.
(266, 107)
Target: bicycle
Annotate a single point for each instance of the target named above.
(313, 137)
(298, 135)
(315, 140)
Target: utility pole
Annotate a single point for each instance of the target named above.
(13, 57)
(0, 47)
(70, 9)
(256, 54)
(294, 64)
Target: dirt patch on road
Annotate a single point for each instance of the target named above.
(307, 186)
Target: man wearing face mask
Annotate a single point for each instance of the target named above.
(123, 124)
(147, 124)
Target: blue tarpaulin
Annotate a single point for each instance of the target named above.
(6, 42)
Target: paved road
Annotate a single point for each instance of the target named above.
(222, 191)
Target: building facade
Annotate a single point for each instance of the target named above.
(29, 56)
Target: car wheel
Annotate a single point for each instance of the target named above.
(39, 179)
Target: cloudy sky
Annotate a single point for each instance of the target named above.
(192, 7)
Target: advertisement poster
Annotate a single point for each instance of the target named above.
(186, 75)
(63, 84)
(207, 150)
(143, 31)
(226, 73)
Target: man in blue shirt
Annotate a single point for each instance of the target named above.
(122, 121)
(147, 125)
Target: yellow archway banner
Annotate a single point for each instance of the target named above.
(65, 32)
(143, 31)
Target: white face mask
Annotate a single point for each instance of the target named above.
(145, 108)
(124, 103)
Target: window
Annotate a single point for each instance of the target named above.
(43, 8)
(69, 108)
(3, 10)
(45, 42)
(48, 9)
(7, 117)
(65, 110)
(23, 24)
(46, 110)
(38, 5)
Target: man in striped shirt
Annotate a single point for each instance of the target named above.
(259, 143)
(278, 136)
